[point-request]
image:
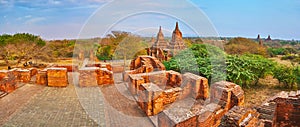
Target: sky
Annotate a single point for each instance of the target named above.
(72, 19)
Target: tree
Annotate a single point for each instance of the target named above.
(22, 47)
(130, 47)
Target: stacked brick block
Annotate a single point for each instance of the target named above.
(241, 117)
(8, 83)
(150, 99)
(69, 67)
(144, 64)
(105, 77)
(24, 76)
(227, 94)
(281, 110)
(57, 77)
(41, 77)
(88, 76)
(195, 86)
(268, 114)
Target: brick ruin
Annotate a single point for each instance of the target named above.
(57, 76)
(281, 110)
(171, 99)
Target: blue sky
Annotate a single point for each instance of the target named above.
(58, 19)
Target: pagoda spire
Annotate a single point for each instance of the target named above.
(177, 26)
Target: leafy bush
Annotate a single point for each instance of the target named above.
(277, 51)
(289, 76)
(203, 59)
(211, 62)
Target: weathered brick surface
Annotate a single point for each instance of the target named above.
(240, 117)
(57, 77)
(150, 99)
(174, 79)
(69, 67)
(281, 110)
(88, 76)
(171, 95)
(146, 64)
(33, 71)
(41, 77)
(117, 69)
(105, 77)
(206, 119)
(8, 83)
(24, 76)
(195, 86)
(177, 117)
(227, 94)
(3, 73)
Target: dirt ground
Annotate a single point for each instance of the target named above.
(265, 89)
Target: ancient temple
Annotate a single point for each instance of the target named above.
(177, 42)
(269, 38)
(160, 41)
(259, 40)
(164, 50)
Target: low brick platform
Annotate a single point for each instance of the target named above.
(57, 77)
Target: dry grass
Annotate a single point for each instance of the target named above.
(265, 89)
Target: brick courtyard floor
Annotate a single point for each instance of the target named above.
(34, 106)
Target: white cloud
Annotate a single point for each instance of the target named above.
(55, 2)
(27, 16)
(4, 2)
(35, 20)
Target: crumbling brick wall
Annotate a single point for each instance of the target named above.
(105, 77)
(8, 83)
(144, 64)
(241, 117)
(227, 94)
(281, 110)
(166, 92)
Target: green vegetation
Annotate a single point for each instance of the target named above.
(289, 76)
(246, 69)
(22, 47)
(121, 45)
